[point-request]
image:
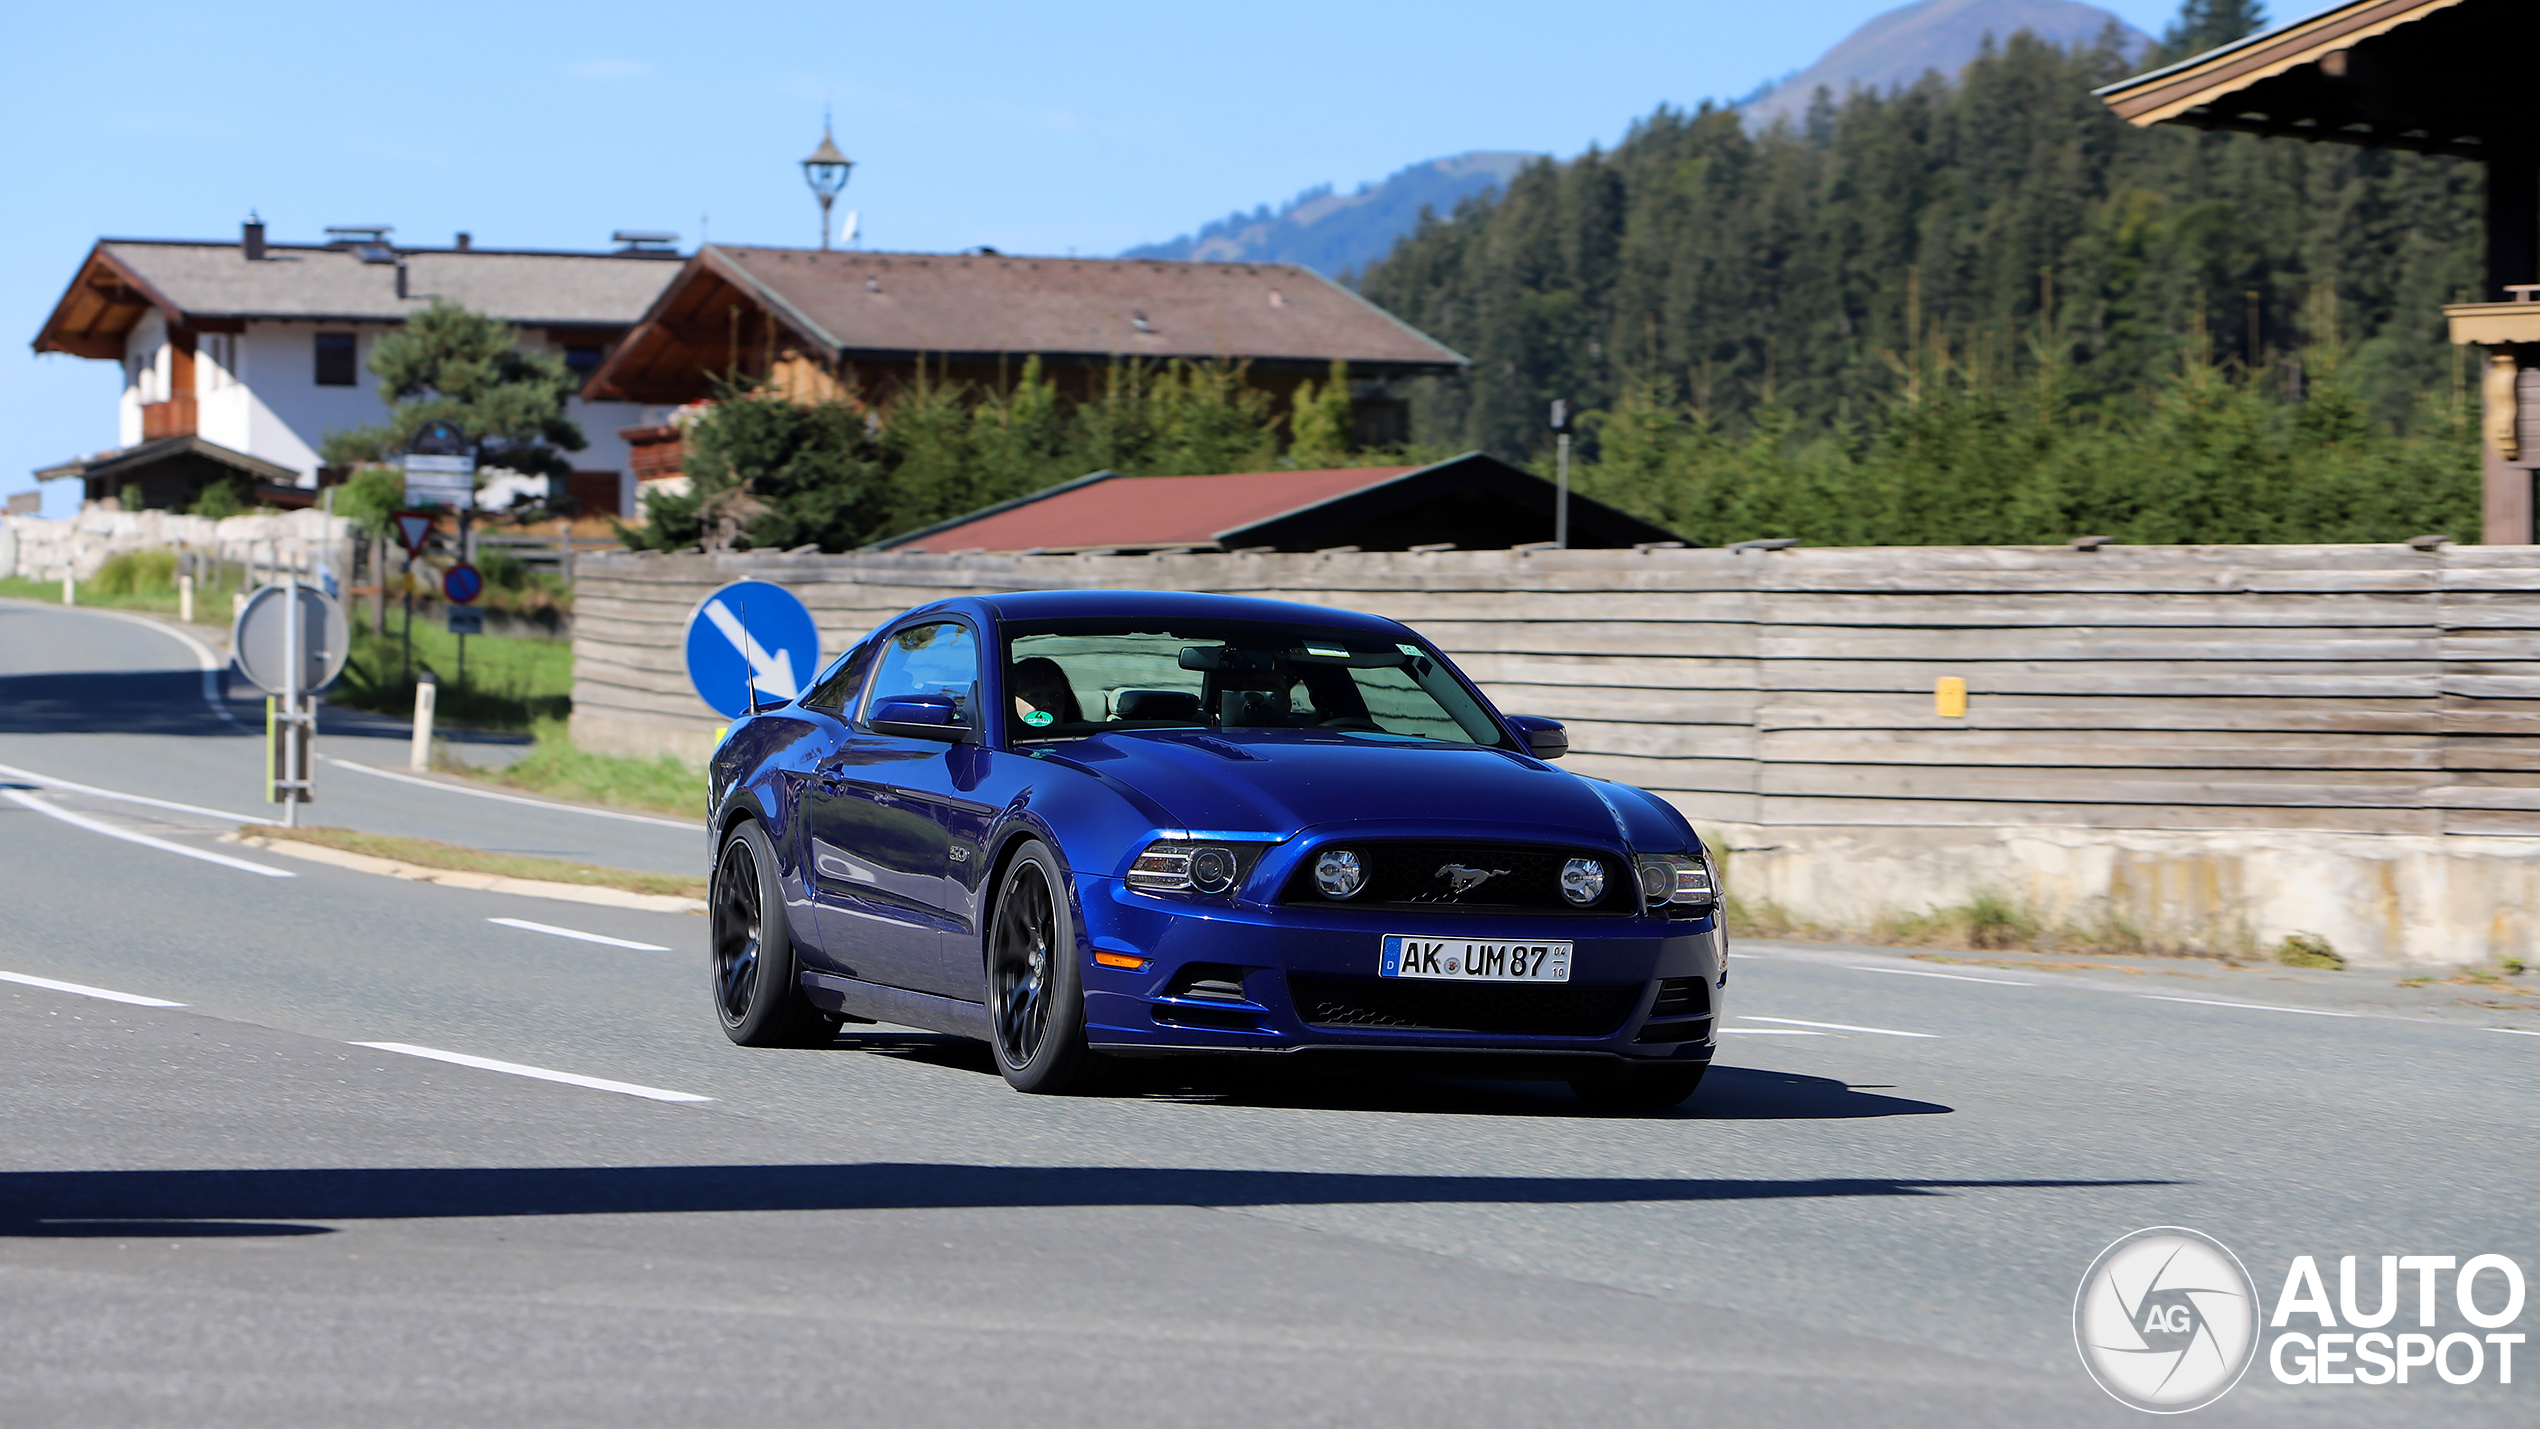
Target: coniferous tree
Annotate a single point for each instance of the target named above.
(451, 363)
(2208, 25)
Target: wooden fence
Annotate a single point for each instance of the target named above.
(2300, 690)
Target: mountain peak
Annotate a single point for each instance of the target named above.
(1335, 233)
(1895, 48)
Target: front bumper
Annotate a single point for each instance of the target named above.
(1301, 972)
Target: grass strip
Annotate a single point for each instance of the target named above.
(561, 769)
(428, 853)
(511, 683)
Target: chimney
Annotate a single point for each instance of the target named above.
(401, 278)
(252, 238)
(466, 242)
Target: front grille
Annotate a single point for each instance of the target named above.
(1523, 879)
(1410, 1004)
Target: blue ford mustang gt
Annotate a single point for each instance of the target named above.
(1081, 825)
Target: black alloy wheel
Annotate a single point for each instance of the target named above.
(1036, 999)
(756, 997)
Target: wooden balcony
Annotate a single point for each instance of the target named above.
(171, 418)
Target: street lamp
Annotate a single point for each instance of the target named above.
(826, 172)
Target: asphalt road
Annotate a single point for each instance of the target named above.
(1876, 1211)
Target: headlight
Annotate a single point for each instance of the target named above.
(1212, 869)
(1583, 881)
(1170, 867)
(1678, 878)
(1190, 866)
(1339, 873)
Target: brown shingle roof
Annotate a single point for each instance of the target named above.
(875, 304)
(195, 280)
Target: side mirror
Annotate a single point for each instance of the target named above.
(1545, 737)
(920, 717)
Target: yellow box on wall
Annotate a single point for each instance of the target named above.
(1949, 697)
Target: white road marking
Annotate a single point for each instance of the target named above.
(49, 782)
(573, 1079)
(1756, 957)
(93, 826)
(2248, 1006)
(1839, 1026)
(85, 990)
(579, 935)
(696, 825)
(1767, 1032)
(2515, 1031)
(1953, 977)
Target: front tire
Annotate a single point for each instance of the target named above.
(1640, 1088)
(1036, 989)
(757, 996)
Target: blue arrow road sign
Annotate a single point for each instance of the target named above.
(751, 634)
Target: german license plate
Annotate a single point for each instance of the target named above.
(1470, 960)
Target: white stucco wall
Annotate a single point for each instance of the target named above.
(256, 392)
(145, 368)
(287, 414)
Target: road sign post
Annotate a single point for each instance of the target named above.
(290, 641)
(461, 585)
(750, 639)
(414, 531)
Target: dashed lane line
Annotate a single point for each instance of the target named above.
(578, 935)
(1767, 1032)
(693, 826)
(1839, 1026)
(91, 790)
(2248, 1006)
(2515, 1031)
(488, 1064)
(1953, 977)
(84, 990)
(571, 1079)
(20, 796)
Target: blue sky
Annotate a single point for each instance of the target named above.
(1034, 127)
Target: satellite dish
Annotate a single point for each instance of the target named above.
(846, 230)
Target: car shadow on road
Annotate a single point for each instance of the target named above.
(114, 702)
(283, 1201)
(1727, 1094)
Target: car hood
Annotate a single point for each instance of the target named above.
(1284, 781)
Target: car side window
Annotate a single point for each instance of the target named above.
(939, 659)
(833, 692)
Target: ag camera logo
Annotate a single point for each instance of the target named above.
(2166, 1320)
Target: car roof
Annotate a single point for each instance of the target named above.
(1168, 604)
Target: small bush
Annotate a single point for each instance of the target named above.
(2513, 967)
(2308, 950)
(135, 573)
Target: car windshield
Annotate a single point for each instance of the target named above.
(1066, 679)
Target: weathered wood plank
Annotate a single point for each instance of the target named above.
(2108, 750)
(1909, 713)
(2099, 645)
(1676, 673)
(1800, 811)
(2273, 788)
